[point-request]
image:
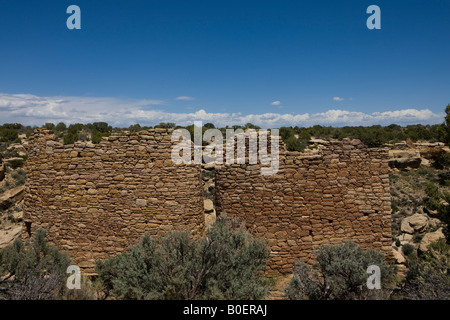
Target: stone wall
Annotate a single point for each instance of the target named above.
(97, 200)
(340, 194)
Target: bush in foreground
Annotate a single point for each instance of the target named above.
(32, 270)
(428, 277)
(228, 263)
(339, 274)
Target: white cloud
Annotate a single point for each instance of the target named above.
(276, 103)
(338, 99)
(185, 98)
(33, 110)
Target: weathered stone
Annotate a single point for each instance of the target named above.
(18, 148)
(405, 238)
(319, 141)
(417, 222)
(398, 257)
(141, 202)
(210, 219)
(405, 163)
(208, 205)
(73, 154)
(119, 177)
(406, 227)
(429, 238)
(92, 191)
(7, 237)
(11, 197)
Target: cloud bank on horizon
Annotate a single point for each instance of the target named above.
(34, 110)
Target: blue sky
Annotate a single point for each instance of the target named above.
(271, 63)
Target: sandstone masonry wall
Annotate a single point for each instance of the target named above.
(340, 194)
(97, 200)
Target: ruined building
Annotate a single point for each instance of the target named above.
(98, 200)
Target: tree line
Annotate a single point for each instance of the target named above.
(296, 138)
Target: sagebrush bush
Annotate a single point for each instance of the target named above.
(19, 177)
(432, 200)
(428, 276)
(15, 163)
(228, 263)
(408, 249)
(339, 274)
(32, 271)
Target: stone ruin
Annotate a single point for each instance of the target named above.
(97, 200)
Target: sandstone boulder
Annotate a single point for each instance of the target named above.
(404, 159)
(405, 163)
(417, 222)
(11, 197)
(429, 238)
(405, 238)
(7, 237)
(398, 257)
(406, 227)
(435, 223)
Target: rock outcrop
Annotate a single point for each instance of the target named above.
(11, 197)
(404, 159)
(430, 238)
(415, 223)
(7, 237)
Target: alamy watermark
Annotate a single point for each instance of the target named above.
(374, 21)
(374, 279)
(74, 20)
(74, 280)
(191, 151)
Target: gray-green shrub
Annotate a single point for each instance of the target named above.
(428, 276)
(339, 274)
(408, 249)
(228, 263)
(32, 271)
